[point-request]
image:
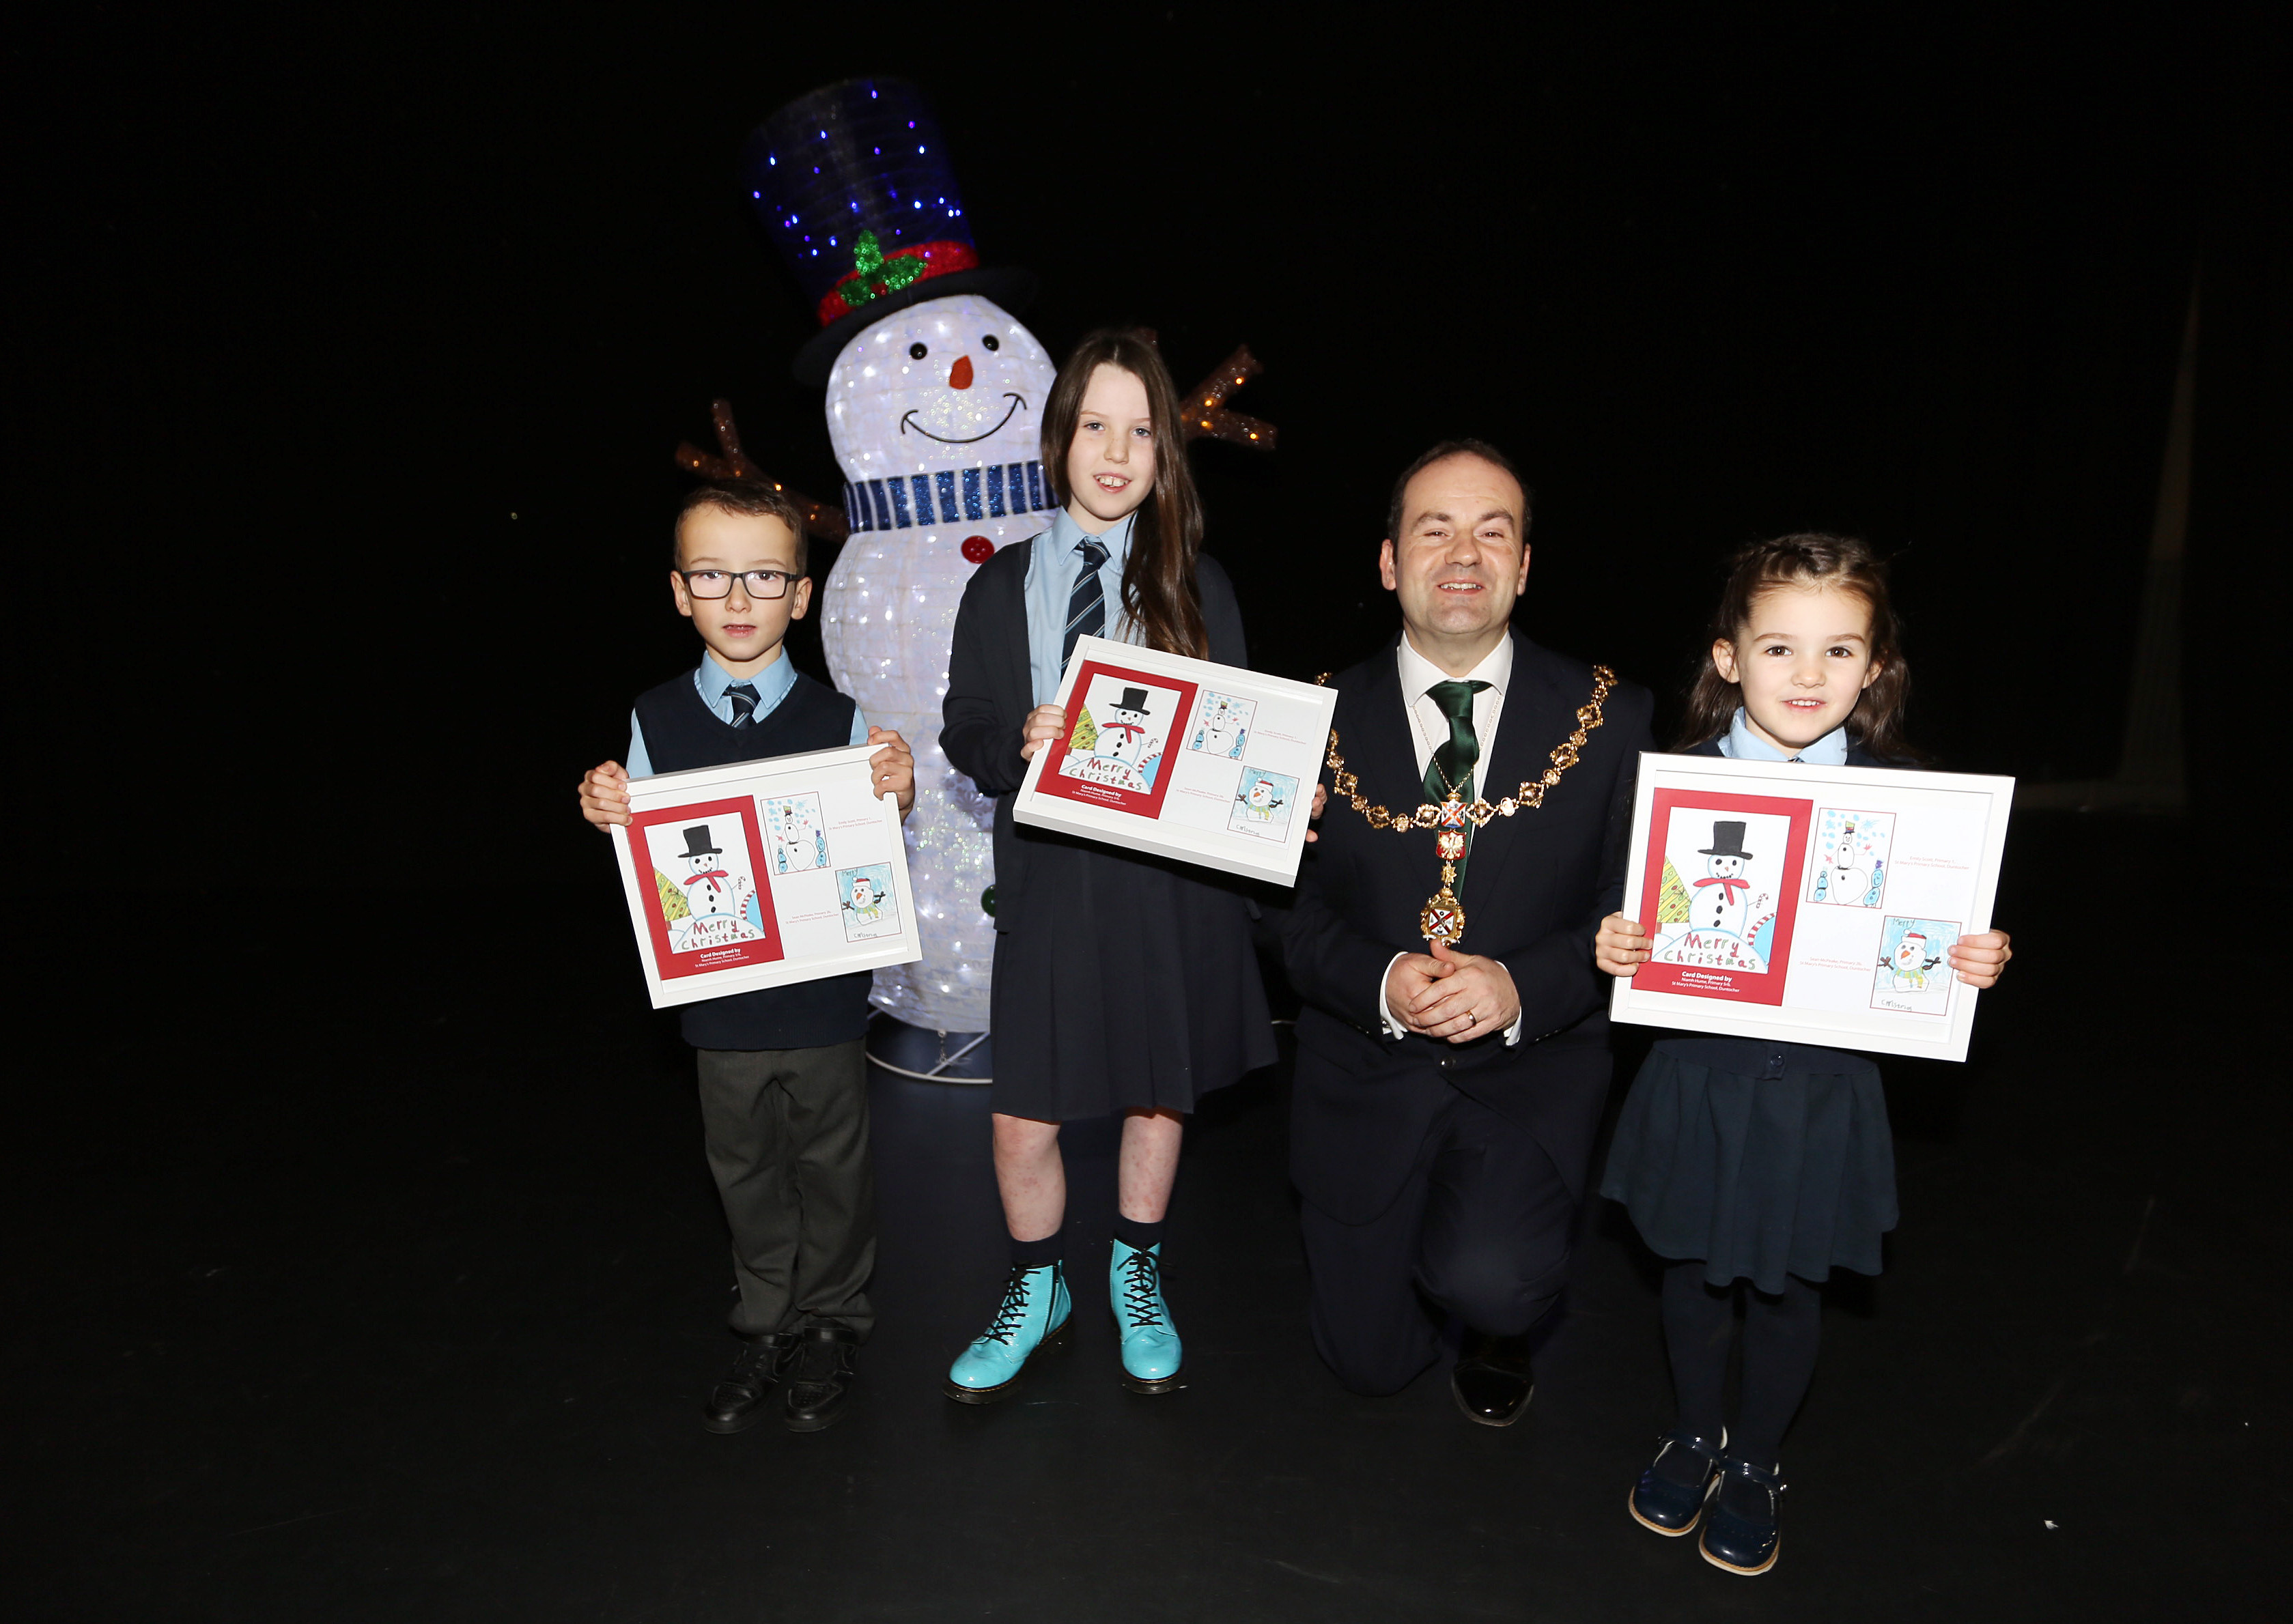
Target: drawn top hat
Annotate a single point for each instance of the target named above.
(697, 842)
(852, 182)
(1133, 698)
(1727, 840)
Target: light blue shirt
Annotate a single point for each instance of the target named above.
(711, 680)
(1742, 744)
(1053, 567)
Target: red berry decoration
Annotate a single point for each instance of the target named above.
(977, 549)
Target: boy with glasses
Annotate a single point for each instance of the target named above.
(783, 1077)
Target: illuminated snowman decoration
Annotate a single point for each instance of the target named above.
(936, 414)
(934, 395)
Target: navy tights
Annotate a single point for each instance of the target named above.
(1780, 1334)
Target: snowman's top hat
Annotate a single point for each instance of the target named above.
(1727, 840)
(852, 182)
(697, 842)
(1133, 698)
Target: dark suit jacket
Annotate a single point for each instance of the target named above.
(1535, 888)
(991, 688)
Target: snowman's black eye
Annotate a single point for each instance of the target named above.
(991, 341)
(916, 351)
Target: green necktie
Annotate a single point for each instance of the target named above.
(1453, 758)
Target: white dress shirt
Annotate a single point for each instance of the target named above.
(1429, 729)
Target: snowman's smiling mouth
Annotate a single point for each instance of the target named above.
(1017, 401)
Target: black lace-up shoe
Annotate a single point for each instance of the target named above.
(737, 1402)
(1493, 1383)
(818, 1376)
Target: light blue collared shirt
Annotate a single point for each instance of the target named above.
(1052, 571)
(1742, 744)
(711, 680)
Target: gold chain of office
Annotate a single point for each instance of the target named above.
(1443, 917)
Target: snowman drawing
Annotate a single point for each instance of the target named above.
(799, 842)
(1720, 901)
(1843, 881)
(1909, 966)
(719, 907)
(1224, 727)
(1259, 804)
(1122, 737)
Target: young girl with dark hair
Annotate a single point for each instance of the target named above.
(1123, 984)
(1752, 1163)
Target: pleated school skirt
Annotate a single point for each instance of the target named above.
(1762, 1159)
(1128, 983)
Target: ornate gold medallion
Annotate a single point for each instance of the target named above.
(1443, 916)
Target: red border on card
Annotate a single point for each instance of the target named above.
(673, 966)
(1148, 806)
(1734, 986)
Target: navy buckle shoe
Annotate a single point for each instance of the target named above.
(1662, 1503)
(1741, 1535)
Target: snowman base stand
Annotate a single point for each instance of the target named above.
(929, 1056)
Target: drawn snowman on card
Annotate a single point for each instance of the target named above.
(1914, 971)
(797, 833)
(1850, 857)
(708, 895)
(1222, 725)
(1262, 804)
(1716, 905)
(1117, 738)
(865, 898)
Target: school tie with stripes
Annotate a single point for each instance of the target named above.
(743, 696)
(1087, 603)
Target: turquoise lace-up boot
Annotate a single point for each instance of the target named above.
(1031, 1319)
(1151, 1353)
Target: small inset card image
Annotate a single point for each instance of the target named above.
(1262, 804)
(1914, 973)
(1222, 725)
(796, 832)
(865, 898)
(1850, 870)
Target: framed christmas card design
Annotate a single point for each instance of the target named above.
(764, 873)
(1810, 904)
(1202, 762)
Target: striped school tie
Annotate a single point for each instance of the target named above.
(743, 696)
(1087, 603)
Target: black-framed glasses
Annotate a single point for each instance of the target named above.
(718, 583)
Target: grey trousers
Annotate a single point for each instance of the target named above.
(787, 1133)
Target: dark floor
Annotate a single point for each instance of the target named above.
(367, 1268)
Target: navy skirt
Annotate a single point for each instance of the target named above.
(1125, 984)
(1762, 1159)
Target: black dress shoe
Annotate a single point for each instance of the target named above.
(819, 1376)
(1492, 1382)
(737, 1402)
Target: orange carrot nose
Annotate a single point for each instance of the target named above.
(959, 377)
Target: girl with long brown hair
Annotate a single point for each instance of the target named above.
(1123, 985)
(1756, 1165)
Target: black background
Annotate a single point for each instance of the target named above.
(351, 351)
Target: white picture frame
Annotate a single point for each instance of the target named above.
(1211, 765)
(1819, 905)
(764, 873)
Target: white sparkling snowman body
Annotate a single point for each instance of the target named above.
(936, 414)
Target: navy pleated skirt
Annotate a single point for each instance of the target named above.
(1762, 1159)
(1125, 984)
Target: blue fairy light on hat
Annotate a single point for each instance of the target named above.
(884, 258)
